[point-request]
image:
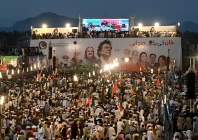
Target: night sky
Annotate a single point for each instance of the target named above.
(145, 11)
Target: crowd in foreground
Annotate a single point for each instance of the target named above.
(100, 106)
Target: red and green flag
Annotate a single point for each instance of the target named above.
(133, 91)
(38, 78)
(120, 78)
(114, 88)
(158, 79)
(121, 108)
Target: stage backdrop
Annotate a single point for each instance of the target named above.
(142, 53)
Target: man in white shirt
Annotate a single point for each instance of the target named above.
(189, 134)
(176, 136)
(110, 131)
(150, 135)
(40, 132)
(124, 104)
(120, 126)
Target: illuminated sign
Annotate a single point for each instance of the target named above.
(105, 24)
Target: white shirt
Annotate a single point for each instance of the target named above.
(176, 134)
(111, 131)
(124, 104)
(64, 103)
(31, 139)
(120, 124)
(41, 130)
(150, 135)
(189, 134)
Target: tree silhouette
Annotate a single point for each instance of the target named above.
(12, 37)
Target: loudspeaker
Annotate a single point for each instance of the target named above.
(190, 86)
(26, 61)
(168, 63)
(54, 63)
(75, 42)
(50, 53)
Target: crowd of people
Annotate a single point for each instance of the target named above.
(98, 106)
(103, 34)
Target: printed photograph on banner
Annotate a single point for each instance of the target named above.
(43, 61)
(136, 54)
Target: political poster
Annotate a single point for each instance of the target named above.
(136, 54)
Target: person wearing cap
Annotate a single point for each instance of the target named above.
(144, 136)
(150, 135)
(40, 132)
(29, 132)
(110, 130)
(33, 128)
(120, 126)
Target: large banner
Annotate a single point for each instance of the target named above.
(8, 60)
(140, 53)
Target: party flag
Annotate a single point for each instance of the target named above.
(158, 81)
(114, 88)
(38, 78)
(133, 92)
(121, 108)
(88, 101)
(120, 78)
